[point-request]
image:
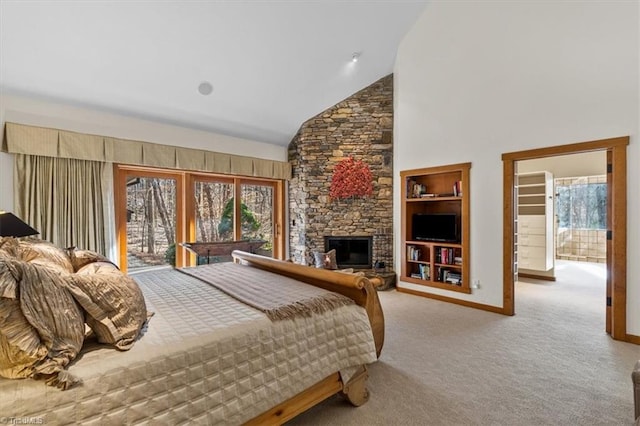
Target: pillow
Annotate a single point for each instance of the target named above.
(45, 254)
(41, 326)
(80, 258)
(115, 306)
(99, 268)
(325, 260)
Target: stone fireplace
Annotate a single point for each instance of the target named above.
(359, 127)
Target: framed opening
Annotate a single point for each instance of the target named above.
(616, 221)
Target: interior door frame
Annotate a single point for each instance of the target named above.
(616, 149)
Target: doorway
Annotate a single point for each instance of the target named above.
(616, 224)
(151, 221)
(562, 264)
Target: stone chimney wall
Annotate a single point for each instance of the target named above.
(360, 127)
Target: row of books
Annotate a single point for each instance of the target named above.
(447, 256)
(419, 190)
(414, 253)
(444, 255)
(424, 272)
(415, 189)
(444, 275)
(448, 276)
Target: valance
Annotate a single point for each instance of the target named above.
(47, 142)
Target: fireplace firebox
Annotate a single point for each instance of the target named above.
(351, 252)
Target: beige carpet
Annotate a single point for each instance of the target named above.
(551, 364)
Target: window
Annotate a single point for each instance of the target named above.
(214, 210)
(581, 203)
(156, 210)
(257, 214)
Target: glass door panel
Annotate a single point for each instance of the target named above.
(151, 222)
(214, 218)
(257, 215)
(214, 211)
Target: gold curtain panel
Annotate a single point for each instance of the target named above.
(42, 141)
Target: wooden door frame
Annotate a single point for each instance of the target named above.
(617, 269)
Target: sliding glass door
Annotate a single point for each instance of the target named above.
(213, 202)
(158, 210)
(257, 205)
(150, 230)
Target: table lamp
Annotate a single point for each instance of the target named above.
(12, 226)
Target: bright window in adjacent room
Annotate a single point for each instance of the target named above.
(581, 203)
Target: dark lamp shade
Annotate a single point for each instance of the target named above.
(12, 226)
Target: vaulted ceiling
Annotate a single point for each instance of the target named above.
(272, 64)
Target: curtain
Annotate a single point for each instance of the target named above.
(31, 140)
(68, 201)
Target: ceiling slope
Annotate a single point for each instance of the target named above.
(272, 64)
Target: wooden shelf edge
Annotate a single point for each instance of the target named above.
(432, 199)
(432, 243)
(438, 284)
(449, 265)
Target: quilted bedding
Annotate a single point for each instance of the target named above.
(205, 358)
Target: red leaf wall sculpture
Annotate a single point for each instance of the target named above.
(351, 178)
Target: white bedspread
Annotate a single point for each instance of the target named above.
(204, 359)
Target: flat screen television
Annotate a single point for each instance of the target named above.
(435, 227)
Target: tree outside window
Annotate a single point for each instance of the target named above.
(581, 205)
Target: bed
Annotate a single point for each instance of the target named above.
(207, 358)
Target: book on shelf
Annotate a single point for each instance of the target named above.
(456, 281)
(413, 253)
(425, 271)
(446, 255)
(450, 277)
(457, 188)
(415, 189)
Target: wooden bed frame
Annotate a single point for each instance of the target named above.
(357, 288)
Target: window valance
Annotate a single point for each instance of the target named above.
(47, 142)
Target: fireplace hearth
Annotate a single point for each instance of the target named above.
(351, 251)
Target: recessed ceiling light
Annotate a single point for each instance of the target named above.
(355, 57)
(205, 88)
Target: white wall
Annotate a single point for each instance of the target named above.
(37, 112)
(474, 80)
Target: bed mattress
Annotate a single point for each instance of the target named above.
(205, 358)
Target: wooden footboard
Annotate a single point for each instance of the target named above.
(357, 288)
(354, 391)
